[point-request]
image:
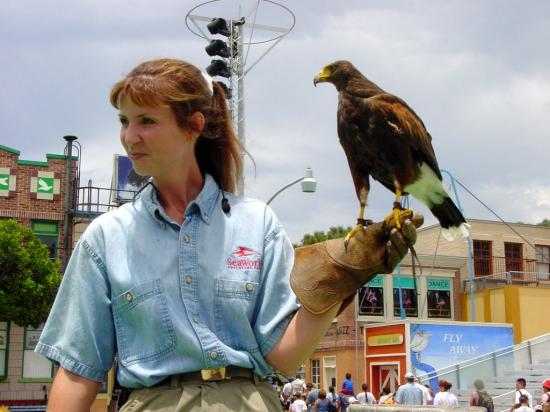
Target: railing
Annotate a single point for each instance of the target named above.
(92, 200)
(508, 278)
(491, 365)
(484, 266)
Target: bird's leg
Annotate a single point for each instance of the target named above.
(361, 221)
(398, 209)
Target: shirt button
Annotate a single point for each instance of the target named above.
(129, 297)
(188, 279)
(213, 355)
(195, 319)
(249, 287)
(186, 239)
(206, 218)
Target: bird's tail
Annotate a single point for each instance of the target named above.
(450, 218)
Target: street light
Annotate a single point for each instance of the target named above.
(309, 184)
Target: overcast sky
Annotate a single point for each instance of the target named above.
(477, 72)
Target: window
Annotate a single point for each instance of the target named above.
(482, 258)
(316, 372)
(439, 298)
(4, 348)
(47, 232)
(408, 297)
(35, 366)
(513, 255)
(543, 259)
(371, 297)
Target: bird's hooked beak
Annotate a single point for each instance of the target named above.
(322, 76)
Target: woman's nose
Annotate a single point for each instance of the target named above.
(130, 134)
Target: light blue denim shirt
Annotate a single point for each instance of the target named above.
(170, 299)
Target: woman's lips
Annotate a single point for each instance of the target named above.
(136, 156)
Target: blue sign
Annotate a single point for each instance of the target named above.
(436, 346)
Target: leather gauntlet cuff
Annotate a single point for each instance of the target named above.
(327, 273)
(324, 274)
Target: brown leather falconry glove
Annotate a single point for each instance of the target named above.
(327, 273)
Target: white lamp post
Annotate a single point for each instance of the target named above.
(309, 184)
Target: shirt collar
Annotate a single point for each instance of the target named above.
(204, 203)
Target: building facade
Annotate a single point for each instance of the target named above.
(33, 194)
(509, 274)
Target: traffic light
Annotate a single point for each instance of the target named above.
(218, 68)
(219, 26)
(218, 48)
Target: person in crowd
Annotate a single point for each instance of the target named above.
(333, 398)
(311, 397)
(444, 397)
(286, 393)
(189, 285)
(480, 397)
(322, 404)
(347, 385)
(521, 383)
(299, 404)
(427, 392)
(298, 385)
(430, 394)
(365, 397)
(410, 393)
(386, 397)
(522, 405)
(545, 392)
(346, 400)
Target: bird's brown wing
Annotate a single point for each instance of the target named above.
(348, 132)
(405, 125)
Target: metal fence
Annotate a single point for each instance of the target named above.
(494, 364)
(508, 278)
(93, 200)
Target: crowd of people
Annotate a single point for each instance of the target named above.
(298, 396)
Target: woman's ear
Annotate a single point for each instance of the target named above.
(196, 122)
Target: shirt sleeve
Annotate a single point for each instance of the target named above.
(79, 333)
(276, 303)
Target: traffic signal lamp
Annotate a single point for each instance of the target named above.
(218, 68)
(218, 48)
(219, 26)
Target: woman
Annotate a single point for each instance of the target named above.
(322, 404)
(386, 397)
(444, 397)
(188, 285)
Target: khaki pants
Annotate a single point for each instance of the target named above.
(235, 394)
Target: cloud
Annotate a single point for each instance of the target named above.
(478, 73)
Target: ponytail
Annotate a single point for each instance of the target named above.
(218, 150)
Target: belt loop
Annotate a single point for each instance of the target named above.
(174, 381)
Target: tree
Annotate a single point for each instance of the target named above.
(319, 236)
(29, 279)
(545, 222)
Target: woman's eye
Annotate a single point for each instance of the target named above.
(147, 120)
(123, 121)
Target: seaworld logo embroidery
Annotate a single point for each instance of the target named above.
(244, 258)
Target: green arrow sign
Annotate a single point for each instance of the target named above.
(4, 181)
(44, 185)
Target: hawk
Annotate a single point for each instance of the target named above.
(384, 138)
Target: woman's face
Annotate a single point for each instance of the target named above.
(154, 141)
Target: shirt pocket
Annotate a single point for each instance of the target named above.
(234, 309)
(143, 325)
